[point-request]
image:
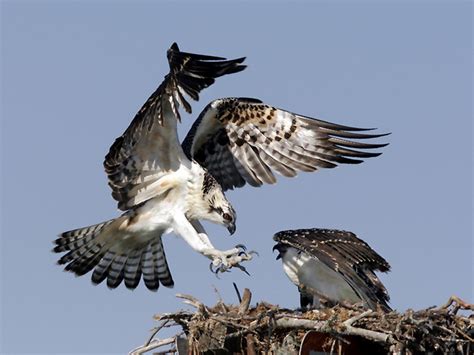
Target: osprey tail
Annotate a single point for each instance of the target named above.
(114, 256)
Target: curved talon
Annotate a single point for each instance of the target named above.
(242, 268)
(241, 246)
(218, 268)
(211, 268)
(248, 255)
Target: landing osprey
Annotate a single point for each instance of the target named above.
(332, 266)
(166, 187)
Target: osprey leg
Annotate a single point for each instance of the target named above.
(194, 234)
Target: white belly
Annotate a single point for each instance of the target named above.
(317, 278)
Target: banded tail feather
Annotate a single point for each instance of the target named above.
(99, 248)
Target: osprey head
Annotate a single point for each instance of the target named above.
(282, 249)
(219, 209)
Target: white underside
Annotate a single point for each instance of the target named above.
(164, 213)
(316, 278)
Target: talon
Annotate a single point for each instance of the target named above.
(242, 268)
(211, 267)
(242, 253)
(241, 246)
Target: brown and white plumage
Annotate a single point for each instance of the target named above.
(242, 140)
(158, 187)
(333, 265)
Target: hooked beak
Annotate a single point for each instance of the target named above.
(231, 228)
(276, 247)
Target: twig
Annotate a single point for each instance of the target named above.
(466, 336)
(294, 323)
(245, 302)
(459, 304)
(152, 345)
(237, 291)
(333, 344)
(220, 301)
(369, 334)
(155, 331)
(219, 297)
(188, 299)
(352, 320)
(169, 351)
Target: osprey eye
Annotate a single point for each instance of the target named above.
(227, 217)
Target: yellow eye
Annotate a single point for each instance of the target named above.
(227, 217)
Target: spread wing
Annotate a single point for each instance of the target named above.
(346, 254)
(149, 148)
(242, 140)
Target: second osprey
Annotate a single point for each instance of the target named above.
(165, 187)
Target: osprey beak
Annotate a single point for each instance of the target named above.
(231, 228)
(276, 247)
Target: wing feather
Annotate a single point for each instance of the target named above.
(258, 139)
(279, 166)
(149, 148)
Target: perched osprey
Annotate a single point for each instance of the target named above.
(166, 187)
(332, 266)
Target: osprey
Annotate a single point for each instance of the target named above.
(332, 266)
(165, 187)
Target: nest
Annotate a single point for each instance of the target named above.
(266, 328)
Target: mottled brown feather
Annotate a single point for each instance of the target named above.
(263, 139)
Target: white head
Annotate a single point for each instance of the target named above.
(217, 208)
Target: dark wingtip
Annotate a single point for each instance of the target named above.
(236, 69)
(61, 262)
(174, 47)
(239, 60)
(381, 134)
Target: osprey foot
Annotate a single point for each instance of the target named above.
(222, 261)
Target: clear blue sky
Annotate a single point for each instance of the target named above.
(73, 76)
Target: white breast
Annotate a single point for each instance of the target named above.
(157, 213)
(317, 278)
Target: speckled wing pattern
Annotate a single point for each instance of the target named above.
(346, 254)
(243, 140)
(150, 146)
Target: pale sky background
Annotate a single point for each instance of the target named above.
(75, 73)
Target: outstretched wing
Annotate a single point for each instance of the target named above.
(242, 140)
(346, 254)
(149, 148)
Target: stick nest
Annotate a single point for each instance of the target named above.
(267, 328)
